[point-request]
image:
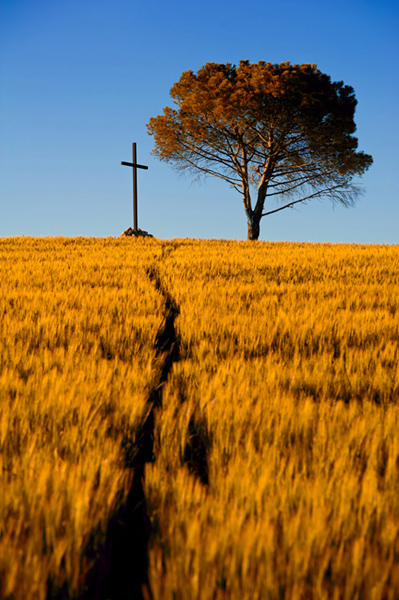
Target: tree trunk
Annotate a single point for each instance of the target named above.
(253, 226)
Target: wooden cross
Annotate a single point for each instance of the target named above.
(135, 167)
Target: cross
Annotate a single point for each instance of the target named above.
(135, 167)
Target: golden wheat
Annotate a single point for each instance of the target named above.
(276, 470)
(290, 375)
(78, 320)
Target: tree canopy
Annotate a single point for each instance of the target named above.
(268, 130)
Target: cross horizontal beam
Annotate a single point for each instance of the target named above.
(128, 164)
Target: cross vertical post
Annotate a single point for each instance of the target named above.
(134, 166)
(135, 215)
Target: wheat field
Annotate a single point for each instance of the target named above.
(275, 460)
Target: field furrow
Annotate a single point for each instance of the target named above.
(77, 365)
(198, 419)
(278, 446)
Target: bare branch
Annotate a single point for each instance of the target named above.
(330, 192)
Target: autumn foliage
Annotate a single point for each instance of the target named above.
(268, 130)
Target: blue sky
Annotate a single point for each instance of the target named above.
(81, 78)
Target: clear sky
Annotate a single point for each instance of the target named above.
(81, 78)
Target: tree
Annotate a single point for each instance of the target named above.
(279, 129)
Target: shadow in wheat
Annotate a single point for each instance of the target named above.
(120, 569)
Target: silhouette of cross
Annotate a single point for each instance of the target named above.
(134, 166)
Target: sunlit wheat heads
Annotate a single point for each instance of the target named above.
(289, 372)
(276, 446)
(78, 319)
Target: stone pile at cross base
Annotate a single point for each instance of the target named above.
(136, 233)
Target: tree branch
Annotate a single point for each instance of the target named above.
(315, 195)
